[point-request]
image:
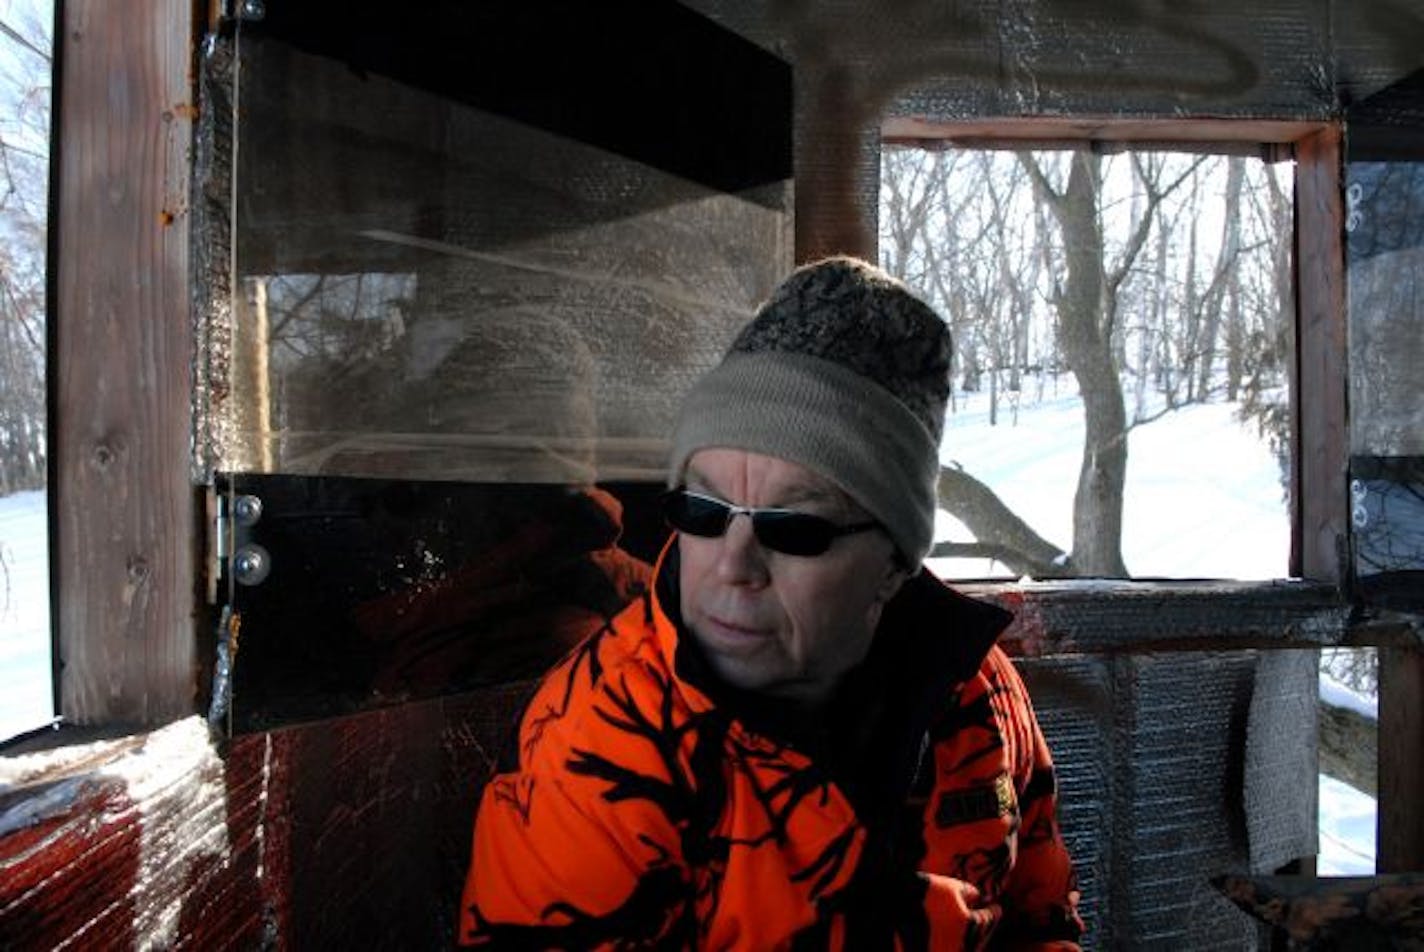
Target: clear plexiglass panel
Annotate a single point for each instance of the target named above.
(1122, 328)
(458, 264)
(464, 253)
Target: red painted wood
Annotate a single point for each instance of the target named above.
(69, 876)
(351, 833)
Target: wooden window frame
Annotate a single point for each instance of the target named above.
(1143, 617)
(1319, 446)
(128, 519)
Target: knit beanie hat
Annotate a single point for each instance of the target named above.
(846, 372)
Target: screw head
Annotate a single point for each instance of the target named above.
(251, 564)
(246, 510)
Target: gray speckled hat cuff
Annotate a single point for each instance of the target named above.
(829, 419)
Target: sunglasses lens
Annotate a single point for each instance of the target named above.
(794, 533)
(695, 515)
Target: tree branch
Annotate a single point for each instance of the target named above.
(1001, 533)
(19, 38)
(1041, 186)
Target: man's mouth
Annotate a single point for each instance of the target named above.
(735, 633)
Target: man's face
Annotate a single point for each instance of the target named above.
(783, 625)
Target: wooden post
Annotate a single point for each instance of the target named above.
(1400, 818)
(836, 165)
(1320, 500)
(126, 515)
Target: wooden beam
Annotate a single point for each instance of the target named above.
(1321, 448)
(1020, 131)
(1126, 617)
(126, 513)
(1399, 818)
(1343, 912)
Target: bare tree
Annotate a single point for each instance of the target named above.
(24, 137)
(1123, 271)
(1085, 297)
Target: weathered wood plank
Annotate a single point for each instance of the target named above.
(1401, 761)
(1206, 130)
(1321, 451)
(1069, 617)
(109, 860)
(122, 351)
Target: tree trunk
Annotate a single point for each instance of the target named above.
(1224, 277)
(1097, 503)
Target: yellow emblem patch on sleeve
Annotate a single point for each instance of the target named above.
(972, 804)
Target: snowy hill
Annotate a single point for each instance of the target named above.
(1203, 496)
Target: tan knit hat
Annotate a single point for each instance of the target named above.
(845, 371)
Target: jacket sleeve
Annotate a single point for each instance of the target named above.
(1040, 896)
(559, 863)
(990, 826)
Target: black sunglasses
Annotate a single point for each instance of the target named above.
(780, 530)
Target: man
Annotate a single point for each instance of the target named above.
(798, 738)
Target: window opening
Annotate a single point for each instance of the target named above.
(26, 681)
(1349, 755)
(1122, 324)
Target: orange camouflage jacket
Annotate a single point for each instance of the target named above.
(649, 805)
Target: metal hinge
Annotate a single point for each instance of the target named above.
(233, 560)
(232, 555)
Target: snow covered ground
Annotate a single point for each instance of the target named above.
(25, 699)
(1203, 496)
(1203, 500)
(1347, 830)
(1347, 816)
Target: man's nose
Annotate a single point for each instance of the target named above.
(742, 560)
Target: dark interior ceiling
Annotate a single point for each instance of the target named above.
(654, 82)
(967, 58)
(704, 90)
(670, 84)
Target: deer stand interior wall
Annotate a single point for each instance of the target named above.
(395, 307)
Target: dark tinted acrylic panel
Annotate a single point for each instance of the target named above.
(1387, 516)
(654, 82)
(383, 591)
